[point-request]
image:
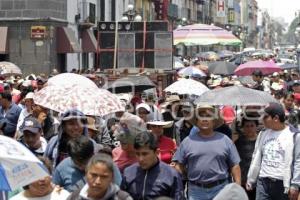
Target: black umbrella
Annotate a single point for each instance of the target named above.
(221, 68)
(235, 96)
(130, 84)
(246, 80)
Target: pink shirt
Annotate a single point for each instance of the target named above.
(121, 158)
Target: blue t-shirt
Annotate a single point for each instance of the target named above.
(68, 176)
(207, 159)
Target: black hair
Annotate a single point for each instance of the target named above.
(281, 117)
(289, 95)
(103, 159)
(257, 72)
(106, 150)
(244, 120)
(145, 139)
(7, 96)
(81, 149)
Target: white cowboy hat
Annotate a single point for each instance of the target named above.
(164, 124)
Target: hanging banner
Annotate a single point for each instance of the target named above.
(231, 16)
(221, 8)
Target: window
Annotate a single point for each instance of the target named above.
(113, 10)
(102, 10)
(92, 13)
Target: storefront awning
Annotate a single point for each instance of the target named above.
(66, 41)
(3, 41)
(89, 41)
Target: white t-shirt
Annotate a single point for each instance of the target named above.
(273, 154)
(55, 195)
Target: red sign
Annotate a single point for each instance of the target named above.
(38, 32)
(221, 8)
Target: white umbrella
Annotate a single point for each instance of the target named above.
(18, 166)
(89, 100)
(235, 96)
(178, 63)
(189, 71)
(187, 86)
(8, 68)
(71, 79)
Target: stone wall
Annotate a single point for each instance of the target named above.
(33, 9)
(32, 56)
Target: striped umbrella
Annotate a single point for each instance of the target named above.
(203, 34)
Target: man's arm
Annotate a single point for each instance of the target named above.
(295, 181)
(179, 167)
(236, 174)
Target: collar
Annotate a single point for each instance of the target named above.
(153, 166)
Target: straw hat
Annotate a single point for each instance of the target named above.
(91, 124)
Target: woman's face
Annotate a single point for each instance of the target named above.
(98, 177)
(73, 128)
(29, 104)
(249, 128)
(143, 113)
(288, 102)
(157, 130)
(41, 187)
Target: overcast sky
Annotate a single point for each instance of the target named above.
(281, 8)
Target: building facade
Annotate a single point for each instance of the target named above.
(43, 35)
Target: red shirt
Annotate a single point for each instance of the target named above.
(167, 148)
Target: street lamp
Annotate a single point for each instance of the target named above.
(181, 22)
(131, 14)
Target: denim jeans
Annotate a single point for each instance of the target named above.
(199, 193)
(267, 189)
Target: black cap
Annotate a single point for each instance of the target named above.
(275, 109)
(31, 124)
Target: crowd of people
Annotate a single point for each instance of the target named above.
(161, 148)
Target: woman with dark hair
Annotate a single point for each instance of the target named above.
(245, 146)
(42, 189)
(99, 177)
(73, 125)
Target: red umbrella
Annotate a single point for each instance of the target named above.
(266, 67)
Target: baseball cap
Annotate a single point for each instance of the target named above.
(31, 124)
(274, 109)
